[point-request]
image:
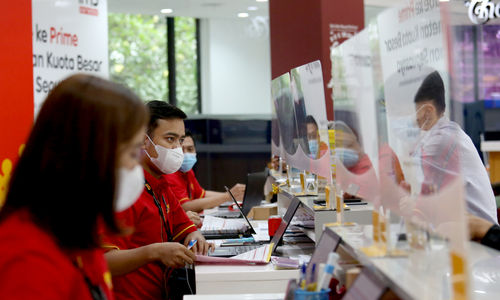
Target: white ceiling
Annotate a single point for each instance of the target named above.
(190, 8)
(210, 8)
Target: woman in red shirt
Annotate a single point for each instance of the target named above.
(79, 166)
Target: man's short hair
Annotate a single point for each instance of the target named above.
(432, 89)
(162, 110)
(190, 134)
(310, 120)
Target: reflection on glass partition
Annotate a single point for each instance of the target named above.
(285, 111)
(355, 125)
(276, 146)
(313, 154)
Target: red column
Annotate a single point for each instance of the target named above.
(304, 30)
(16, 84)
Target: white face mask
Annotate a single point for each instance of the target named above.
(169, 160)
(129, 187)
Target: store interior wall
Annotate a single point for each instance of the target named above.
(235, 68)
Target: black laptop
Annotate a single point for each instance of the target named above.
(254, 193)
(278, 236)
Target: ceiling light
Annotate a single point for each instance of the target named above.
(167, 11)
(261, 0)
(251, 8)
(243, 15)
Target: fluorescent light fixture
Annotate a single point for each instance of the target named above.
(243, 15)
(261, 0)
(167, 11)
(252, 8)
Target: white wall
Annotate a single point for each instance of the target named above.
(235, 68)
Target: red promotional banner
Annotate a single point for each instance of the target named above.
(16, 84)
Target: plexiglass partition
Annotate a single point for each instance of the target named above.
(395, 143)
(285, 111)
(356, 148)
(313, 154)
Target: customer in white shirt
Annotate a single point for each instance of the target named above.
(446, 151)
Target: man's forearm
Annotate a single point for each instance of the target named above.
(197, 205)
(121, 262)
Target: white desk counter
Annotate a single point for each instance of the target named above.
(248, 279)
(426, 275)
(274, 296)
(220, 279)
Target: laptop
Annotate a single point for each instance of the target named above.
(277, 238)
(328, 243)
(232, 235)
(253, 196)
(367, 286)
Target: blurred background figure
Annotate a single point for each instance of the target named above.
(317, 148)
(188, 191)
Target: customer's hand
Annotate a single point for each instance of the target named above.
(171, 254)
(201, 246)
(238, 191)
(195, 218)
(478, 227)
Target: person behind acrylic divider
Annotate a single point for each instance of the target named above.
(317, 148)
(186, 188)
(350, 153)
(348, 149)
(80, 164)
(142, 262)
(446, 151)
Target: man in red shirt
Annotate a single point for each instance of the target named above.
(142, 261)
(186, 188)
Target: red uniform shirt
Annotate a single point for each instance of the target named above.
(33, 266)
(144, 219)
(185, 186)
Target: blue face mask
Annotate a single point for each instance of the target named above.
(188, 162)
(347, 156)
(313, 148)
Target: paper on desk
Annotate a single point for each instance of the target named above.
(220, 225)
(262, 233)
(259, 256)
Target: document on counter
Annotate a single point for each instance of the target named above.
(214, 225)
(259, 256)
(262, 234)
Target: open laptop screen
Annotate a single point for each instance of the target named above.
(239, 208)
(254, 191)
(287, 218)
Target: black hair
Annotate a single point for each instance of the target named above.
(310, 120)
(67, 173)
(432, 89)
(189, 134)
(162, 110)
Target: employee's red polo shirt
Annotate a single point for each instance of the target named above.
(185, 186)
(144, 219)
(33, 266)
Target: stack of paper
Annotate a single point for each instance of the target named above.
(214, 225)
(258, 256)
